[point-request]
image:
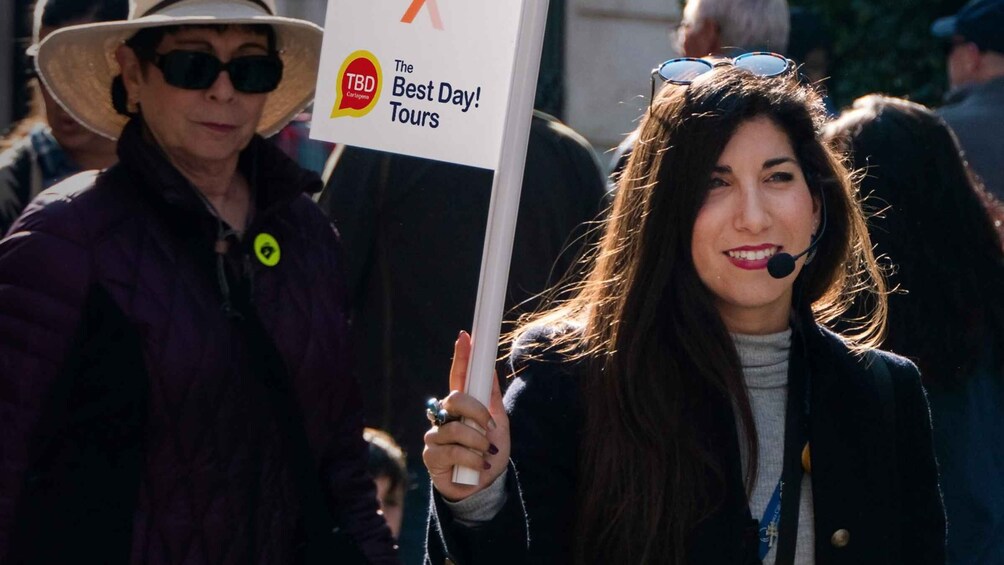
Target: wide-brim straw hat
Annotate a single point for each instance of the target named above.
(77, 63)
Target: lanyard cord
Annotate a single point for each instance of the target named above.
(222, 246)
(768, 523)
(797, 434)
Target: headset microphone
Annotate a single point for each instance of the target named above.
(783, 264)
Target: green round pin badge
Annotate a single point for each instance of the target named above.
(266, 248)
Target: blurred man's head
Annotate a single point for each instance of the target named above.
(389, 471)
(719, 27)
(974, 40)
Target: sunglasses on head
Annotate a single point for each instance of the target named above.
(685, 70)
(198, 70)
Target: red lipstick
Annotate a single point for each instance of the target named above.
(752, 257)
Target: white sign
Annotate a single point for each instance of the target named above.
(428, 78)
(452, 80)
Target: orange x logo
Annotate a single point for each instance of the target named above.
(416, 6)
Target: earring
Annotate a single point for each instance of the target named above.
(132, 106)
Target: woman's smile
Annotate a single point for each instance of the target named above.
(752, 257)
(218, 127)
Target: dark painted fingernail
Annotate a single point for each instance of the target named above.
(487, 465)
(492, 449)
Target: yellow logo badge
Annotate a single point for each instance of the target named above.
(359, 83)
(266, 248)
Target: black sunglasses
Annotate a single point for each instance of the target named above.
(685, 69)
(198, 70)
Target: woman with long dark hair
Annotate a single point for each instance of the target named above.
(941, 232)
(686, 403)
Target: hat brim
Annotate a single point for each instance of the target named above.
(944, 27)
(77, 65)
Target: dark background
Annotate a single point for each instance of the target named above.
(21, 40)
(885, 46)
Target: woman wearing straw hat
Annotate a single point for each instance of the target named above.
(173, 383)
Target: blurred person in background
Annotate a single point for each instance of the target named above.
(733, 27)
(974, 106)
(941, 233)
(49, 144)
(389, 469)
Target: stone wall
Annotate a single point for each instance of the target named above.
(611, 48)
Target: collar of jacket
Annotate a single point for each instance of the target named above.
(839, 377)
(993, 89)
(275, 179)
(852, 439)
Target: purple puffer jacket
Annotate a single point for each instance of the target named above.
(136, 425)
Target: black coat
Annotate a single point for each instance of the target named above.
(138, 416)
(874, 477)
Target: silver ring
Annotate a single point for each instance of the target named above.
(436, 414)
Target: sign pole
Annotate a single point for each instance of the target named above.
(502, 213)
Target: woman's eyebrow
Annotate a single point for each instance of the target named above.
(202, 44)
(252, 45)
(778, 161)
(208, 45)
(725, 169)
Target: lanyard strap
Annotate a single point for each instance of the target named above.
(797, 435)
(769, 530)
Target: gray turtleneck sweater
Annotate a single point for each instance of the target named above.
(764, 360)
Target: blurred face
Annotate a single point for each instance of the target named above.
(198, 127)
(391, 503)
(695, 37)
(758, 205)
(690, 41)
(69, 133)
(962, 61)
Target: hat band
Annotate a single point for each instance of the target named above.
(169, 3)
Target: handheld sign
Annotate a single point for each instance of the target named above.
(450, 80)
(428, 78)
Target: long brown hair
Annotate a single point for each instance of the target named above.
(940, 229)
(655, 350)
